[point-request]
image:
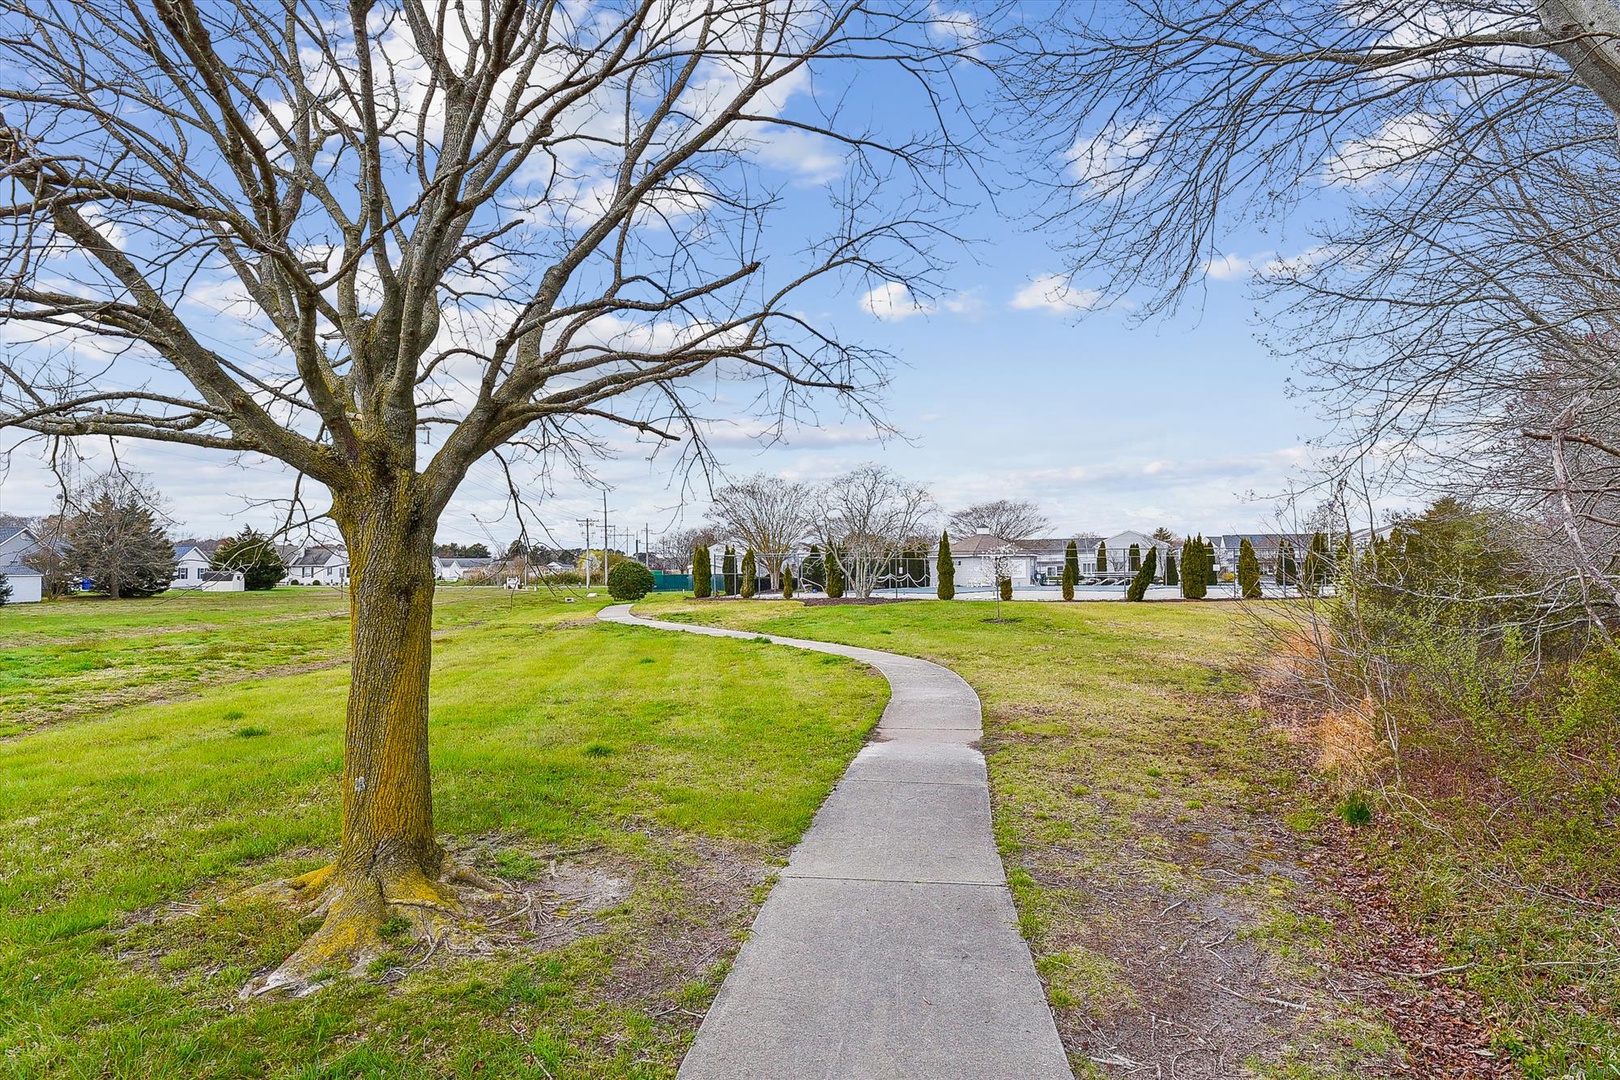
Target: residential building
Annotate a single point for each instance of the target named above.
(983, 558)
(27, 584)
(319, 565)
(193, 569)
(447, 568)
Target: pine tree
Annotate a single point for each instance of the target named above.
(1071, 570)
(251, 554)
(945, 569)
(1248, 571)
(1195, 567)
(702, 586)
(1144, 576)
(1133, 558)
(121, 547)
(787, 582)
(1102, 557)
(750, 575)
(1172, 575)
(728, 572)
(835, 573)
(5, 590)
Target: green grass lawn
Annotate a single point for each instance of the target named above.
(1142, 812)
(679, 767)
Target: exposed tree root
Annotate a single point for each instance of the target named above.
(357, 910)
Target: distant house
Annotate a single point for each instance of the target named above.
(983, 558)
(27, 584)
(1050, 551)
(317, 565)
(455, 569)
(1266, 548)
(193, 569)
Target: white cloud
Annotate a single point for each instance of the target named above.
(894, 300)
(1398, 144)
(1233, 267)
(815, 158)
(1115, 160)
(1054, 295)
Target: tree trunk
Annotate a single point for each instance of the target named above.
(388, 860)
(387, 793)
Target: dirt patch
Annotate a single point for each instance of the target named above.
(1198, 990)
(666, 911)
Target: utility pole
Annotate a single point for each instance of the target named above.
(587, 523)
(604, 537)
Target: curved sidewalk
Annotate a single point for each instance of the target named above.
(889, 948)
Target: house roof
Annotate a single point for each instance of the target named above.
(8, 532)
(18, 570)
(182, 550)
(465, 561)
(986, 544)
(1057, 545)
(318, 556)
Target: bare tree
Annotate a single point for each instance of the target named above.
(1005, 518)
(442, 229)
(864, 519)
(768, 514)
(1469, 152)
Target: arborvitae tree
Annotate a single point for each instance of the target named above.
(1287, 568)
(1071, 570)
(835, 573)
(1102, 558)
(787, 582)
(1343, 557)
(1248, 571)
(701, 572)
(750, 580)
(5, 590)
(1005, 587)
(1172, 575)
(1144, 576)
(1133, 558)
(251, 554)
(120, 546)
(728, 571)
(1195, 559)
(1316, 564)
(1211, 571)
(945, 569)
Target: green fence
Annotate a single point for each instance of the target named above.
(663, 582)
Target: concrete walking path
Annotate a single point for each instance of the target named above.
(889, 948)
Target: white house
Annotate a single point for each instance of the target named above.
(27, 585)
(454, 569)
(193, 569)
(317, 565)
(982, 559)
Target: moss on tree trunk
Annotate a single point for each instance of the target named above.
(388, 861)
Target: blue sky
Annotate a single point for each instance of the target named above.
(1001, 388)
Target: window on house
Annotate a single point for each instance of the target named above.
(182, 573)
